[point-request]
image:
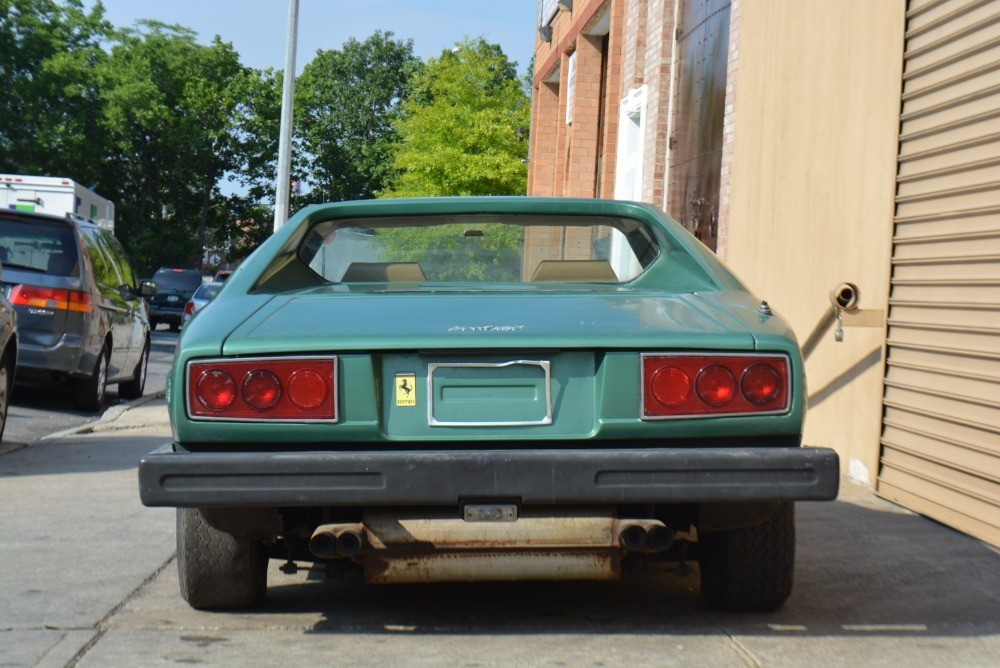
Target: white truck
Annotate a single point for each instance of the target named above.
(55, 196)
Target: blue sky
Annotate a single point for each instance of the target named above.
(257, 27)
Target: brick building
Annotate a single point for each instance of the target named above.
(810, 143)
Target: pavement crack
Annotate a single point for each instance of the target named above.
(102, 625)
(742, 651)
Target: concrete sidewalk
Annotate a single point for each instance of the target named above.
(75, 542)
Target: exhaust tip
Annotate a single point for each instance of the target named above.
(660, 538)
(633, 537)
(349, 543)
(323, 544)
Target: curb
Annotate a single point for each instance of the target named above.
(107, 418)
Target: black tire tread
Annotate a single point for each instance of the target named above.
(134, 387)
(217, 570)
(85, 390)
(750, 569)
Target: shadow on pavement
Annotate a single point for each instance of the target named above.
(868, 569)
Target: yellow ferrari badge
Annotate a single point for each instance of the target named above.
(406, 389)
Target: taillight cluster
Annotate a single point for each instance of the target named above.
(53, 299)
(687, 385)
(263, 389)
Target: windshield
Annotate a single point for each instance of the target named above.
(42, 246)
(178, 280)
(480, 248)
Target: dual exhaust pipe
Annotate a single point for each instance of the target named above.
(330, 541)
(645, 535)
(337, 540)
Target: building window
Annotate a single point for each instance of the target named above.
(631, 130)
(546, 10)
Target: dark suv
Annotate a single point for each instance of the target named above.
(79, 311)
(175, 286)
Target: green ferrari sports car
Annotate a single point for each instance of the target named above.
(463, 389)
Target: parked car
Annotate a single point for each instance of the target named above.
(175, 285)
(486, 388)
(79, 310)
(200, 299)
(8, 346)
(222, 275)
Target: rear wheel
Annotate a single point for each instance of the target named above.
(133, 389)
(6, 376)
(750, 569)
(217, 570)
(88, 393)
(175, 326)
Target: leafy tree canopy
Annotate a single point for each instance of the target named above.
(464, 126)
(345, 104)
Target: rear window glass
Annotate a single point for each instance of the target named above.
(207, 291)
(48, 248)
(182, 281)
(480, 249)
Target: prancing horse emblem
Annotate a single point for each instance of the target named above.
(406, 389)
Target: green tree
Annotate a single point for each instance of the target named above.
(171, 110)
(464, 128)
(346, 102)
(50, 111)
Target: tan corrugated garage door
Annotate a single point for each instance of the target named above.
(941, 432)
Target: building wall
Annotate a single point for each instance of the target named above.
(577, 159)
(811, 190)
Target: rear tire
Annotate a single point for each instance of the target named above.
(175, 326)
(6, 384)
(217, 570)
(133, 389)
(88, 393)
(750, 569)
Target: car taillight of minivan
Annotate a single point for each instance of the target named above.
(283, 389)
(52, 299)
(189, 308)
(697, 385)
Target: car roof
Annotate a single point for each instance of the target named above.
(44, 217)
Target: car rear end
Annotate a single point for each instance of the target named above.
(522, 413)
(43, 280)
(175, 286)
(200, 299)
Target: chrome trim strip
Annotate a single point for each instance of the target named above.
(210, 360)
(642, 385)
(545, 365)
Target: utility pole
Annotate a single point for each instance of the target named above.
(281, 199)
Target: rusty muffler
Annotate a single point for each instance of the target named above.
(337, 540)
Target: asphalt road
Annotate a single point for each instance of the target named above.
(36, 412)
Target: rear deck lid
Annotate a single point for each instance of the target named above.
(595, 318)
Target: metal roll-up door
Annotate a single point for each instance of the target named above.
(941, 429)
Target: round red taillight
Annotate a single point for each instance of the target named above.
(760, 384)
(306, 389)
(670, 385)
(216, 390)
(716, 385)
(261, 389)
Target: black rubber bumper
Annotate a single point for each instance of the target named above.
(533, 477)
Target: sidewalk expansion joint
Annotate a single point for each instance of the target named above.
(101, 627)
(742, 651)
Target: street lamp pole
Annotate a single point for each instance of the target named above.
(287, 100)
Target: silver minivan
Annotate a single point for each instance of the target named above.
(80, 314)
